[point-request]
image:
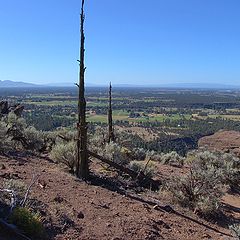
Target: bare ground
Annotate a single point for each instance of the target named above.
(102, 209)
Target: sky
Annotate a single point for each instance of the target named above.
(139, 42)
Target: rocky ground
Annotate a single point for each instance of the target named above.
(102, 209)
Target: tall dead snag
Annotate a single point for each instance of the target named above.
(82, 167)
(111, 136)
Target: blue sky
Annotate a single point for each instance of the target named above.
(127, 41)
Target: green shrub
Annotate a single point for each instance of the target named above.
(65, 153)
(30, 223)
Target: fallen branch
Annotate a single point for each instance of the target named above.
(140, 177)
(64, 138)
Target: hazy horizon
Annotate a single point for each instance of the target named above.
(127, 42)
(15, 84)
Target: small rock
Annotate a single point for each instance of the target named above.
(58, 199)
(80, 215)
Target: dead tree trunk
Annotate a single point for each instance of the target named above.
(111, 136)
(82, 168)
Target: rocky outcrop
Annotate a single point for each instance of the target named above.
(226, 141)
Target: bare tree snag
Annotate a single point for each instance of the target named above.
(111, 136)
(82, 165)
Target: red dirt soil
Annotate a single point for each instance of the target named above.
(74, 210)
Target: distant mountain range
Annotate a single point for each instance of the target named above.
(14, 84)
(200, 86)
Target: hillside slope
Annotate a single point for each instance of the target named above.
(73, 209)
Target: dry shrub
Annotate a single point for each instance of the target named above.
(65, 153)
(140, 166)
(139, 154)
(116, 153)
(5, 142)
(231, 171)
(172, 158)
(235, 228)
(34, 138)
(202, 188)
(16, 135)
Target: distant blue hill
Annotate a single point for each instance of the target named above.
(13, 84)
(200, 86)
(182, 86)
(69, 84)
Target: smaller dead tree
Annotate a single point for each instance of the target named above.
(111, 136)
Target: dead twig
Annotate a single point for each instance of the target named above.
(33, 181)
